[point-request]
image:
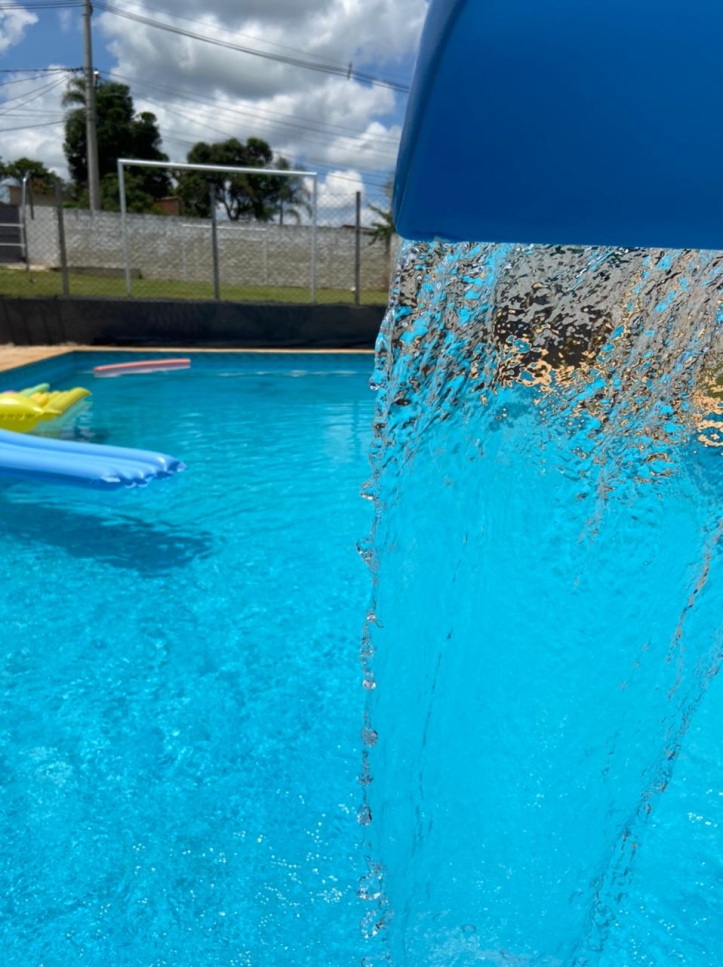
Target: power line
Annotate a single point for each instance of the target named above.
(34, 96)
(28, 127)
(228, 114)
(334, 69)
(261, 112)
(28, 80)
(39, 4)
(34, 90)
(37, 70)
(312, 135)
(269, 43)
(228, 134)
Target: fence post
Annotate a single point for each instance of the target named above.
(24, 221)
(214, 246)
(314, 220)
(357, 252)
(124, 225)
(61, 237)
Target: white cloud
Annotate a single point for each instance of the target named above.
(65, 19)
(303, 114)
(13, 23)
(204, 92)
(30, 109)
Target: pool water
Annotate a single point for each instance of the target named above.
(181, 701)
(545, 735)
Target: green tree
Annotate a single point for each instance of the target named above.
(244, 197)
(41, 179)
(137, 198)
(121, 134)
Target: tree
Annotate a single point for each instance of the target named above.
(244, 197)
(121, 134)
(41, 179)
(294, 196)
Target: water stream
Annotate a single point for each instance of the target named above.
(547, 606)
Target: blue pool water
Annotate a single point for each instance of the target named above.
(181, 707)
(544, 733)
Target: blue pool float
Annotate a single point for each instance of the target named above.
(566, 122)
(82, 464)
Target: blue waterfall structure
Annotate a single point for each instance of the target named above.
(547, 595)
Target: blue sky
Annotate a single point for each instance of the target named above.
(342, 127)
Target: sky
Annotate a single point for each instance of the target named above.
(344, 127)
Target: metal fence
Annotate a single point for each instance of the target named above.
(75, 252)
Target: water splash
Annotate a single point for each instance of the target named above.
(547, 606)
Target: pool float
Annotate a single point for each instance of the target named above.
(565, 123)
(81, 464)
(142, 366)
(22, 412)
(34, 390)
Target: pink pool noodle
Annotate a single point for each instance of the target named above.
(142, 366)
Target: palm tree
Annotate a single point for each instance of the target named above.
(383, 228)
(293, 197)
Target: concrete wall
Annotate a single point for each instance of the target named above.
(180, 249)
(130, 322)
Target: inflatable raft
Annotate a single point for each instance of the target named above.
(22, 412)
(81, 464)
(590, 123)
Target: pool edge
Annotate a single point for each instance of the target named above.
(14, 357)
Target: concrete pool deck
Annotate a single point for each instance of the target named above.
(13, 356)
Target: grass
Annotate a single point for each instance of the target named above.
(17, 283)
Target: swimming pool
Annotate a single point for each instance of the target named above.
(179, 726)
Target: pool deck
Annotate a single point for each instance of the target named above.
(12, 356)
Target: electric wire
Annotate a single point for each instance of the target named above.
(383, 155)
(336, 70)
(291, 119)
(38, 93)
(257, 39)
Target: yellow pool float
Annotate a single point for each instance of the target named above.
(22, 412)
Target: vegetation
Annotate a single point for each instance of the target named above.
(41, 179)
(121, 134)
(244, 197)
(19, 283)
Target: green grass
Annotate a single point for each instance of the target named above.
(14, 282)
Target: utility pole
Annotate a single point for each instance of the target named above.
(91, 114)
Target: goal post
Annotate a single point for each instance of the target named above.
(124, 163)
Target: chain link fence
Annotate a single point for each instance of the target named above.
(54, 250)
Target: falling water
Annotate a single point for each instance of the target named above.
(547, 605)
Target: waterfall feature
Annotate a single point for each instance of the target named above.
(547, 599)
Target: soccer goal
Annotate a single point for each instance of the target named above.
(230, 250)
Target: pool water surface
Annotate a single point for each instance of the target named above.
(181, 700)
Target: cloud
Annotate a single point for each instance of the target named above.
(204, 92)
(13, 23)
(65, 19)
(328, 126)
(31, 115)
